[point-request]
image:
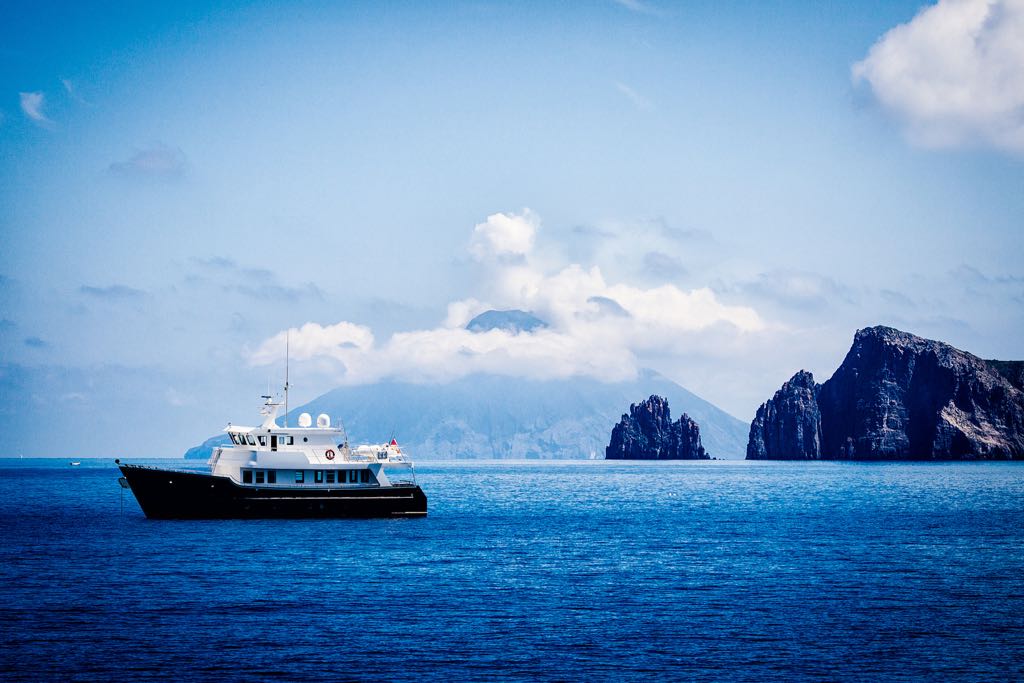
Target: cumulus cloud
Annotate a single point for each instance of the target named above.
(32, 105)
(504, 235)
(157, 162)
(595, 327)
(954, 74)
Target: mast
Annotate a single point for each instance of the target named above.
(287, 333)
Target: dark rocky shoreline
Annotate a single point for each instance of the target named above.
(896, 396)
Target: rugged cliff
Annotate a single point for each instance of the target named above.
(896, 396)
(648, 433)
(788, 423)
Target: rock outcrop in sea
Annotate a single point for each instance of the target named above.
(896, 396)
(648, 433)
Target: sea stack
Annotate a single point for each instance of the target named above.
(648, 433)
(789, 422)
(896, 396)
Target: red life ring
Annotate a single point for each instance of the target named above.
(329, 454)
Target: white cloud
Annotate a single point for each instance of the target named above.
(504, 234)
(341, 342)
(954, 74)
(32, 105)
(596, 328)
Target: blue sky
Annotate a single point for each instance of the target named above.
(181, 184)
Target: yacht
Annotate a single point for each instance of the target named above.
(280, 472)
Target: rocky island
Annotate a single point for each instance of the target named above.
(896, 396)
(648, 433)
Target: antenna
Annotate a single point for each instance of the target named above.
(287, 334)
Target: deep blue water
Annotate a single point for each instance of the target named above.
(579, 571)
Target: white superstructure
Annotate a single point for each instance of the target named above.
(306, 456)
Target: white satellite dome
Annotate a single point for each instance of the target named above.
(305, 420)
(323, 420)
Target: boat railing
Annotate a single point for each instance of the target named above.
(401, 472)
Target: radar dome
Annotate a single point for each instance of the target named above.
(323, 420)
(305, 420)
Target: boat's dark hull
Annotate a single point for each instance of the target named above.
(166, 494)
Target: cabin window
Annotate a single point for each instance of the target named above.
(263, 440)
(284, 440)
(300, 476)
(260, 476)
(353, 476)
(271, 476)
(330, 476)
(318, 476)
(364, 476)
(246, 476)
(252, 441)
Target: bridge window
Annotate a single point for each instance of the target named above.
(234, 439)
(300, 476)
(252, 441)
(246, 476)
(285, 440)
(263, 440)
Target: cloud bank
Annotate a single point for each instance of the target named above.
(596, 328)
(954, 74)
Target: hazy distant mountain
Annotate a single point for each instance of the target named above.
(489, 416)
(510, 321)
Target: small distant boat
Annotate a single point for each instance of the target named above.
(76, 463)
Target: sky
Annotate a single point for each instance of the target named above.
(721, 192)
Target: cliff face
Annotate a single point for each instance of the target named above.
(788, 423)
(648, 433)
(896, 396)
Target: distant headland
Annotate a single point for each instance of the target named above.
(896, 396)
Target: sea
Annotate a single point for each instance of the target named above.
(550, 571)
